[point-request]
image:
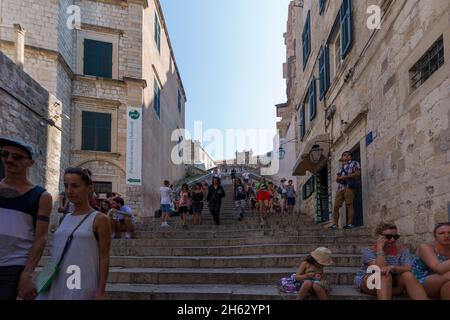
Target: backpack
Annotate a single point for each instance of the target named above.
(289, 284)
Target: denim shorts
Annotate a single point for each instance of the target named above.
(166, 208)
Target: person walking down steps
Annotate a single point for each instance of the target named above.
(240, 198)
(214, 198)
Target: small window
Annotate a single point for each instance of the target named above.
(334, 51)
(101, 188)
(308, 188)
(157, 99)
(306, 40)
(431, 61)
(98, 58)
(179, 101)
(157, 33)
(96, 131)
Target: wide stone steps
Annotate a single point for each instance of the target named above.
(251, 249)
(243, 261)
(268, 276)
(214, 242)
(217, 292)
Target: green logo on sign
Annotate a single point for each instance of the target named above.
(134, 114)
(134, 180)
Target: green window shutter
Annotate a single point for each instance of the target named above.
(179, 101)
(97, 58)
(312, 99)
(96, 131)
(345, 14)
(88, 131)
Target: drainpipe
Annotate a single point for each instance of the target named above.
(19, 45)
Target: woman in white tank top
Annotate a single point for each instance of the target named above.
(88, 253)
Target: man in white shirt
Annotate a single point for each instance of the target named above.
(166, 203)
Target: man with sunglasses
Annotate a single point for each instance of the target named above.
(24, 218)
(346, 179)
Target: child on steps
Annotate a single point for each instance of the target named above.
(310, 273)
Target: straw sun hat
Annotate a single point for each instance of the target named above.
(323, 256)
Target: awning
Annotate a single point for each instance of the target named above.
(304, 163)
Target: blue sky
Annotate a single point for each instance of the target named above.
(230, 55)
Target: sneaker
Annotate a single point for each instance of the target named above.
(333, 226)
(127, 235)
(113, 236)
(349, 226)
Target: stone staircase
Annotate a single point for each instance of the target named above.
(235, 260)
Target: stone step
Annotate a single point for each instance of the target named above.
(319, 240)
(250, 276)
(217, 292)
(175, 232)
(249, 261)
(257, 249)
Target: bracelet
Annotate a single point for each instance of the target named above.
(379, 254)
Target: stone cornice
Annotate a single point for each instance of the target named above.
(142, 82)
(96, 28)
(105, 102)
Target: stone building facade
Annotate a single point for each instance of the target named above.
(382, 94)
(119, 56)
(29, 113)
(198, 156)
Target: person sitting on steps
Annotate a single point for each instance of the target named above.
(432, 264)
(310, 272)
(394, 262)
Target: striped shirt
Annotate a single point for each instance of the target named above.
(402, 258)
(17, 226)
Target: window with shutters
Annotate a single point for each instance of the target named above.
(345, 14)
(312, 101)
(96, 131)
(324, 71)
(321, 6)
(157, 99)
(306, 39)
(157, 33)
(98, 58)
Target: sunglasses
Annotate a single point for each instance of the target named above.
(390, 236)
(16, 157)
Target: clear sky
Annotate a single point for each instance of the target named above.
(230, 55)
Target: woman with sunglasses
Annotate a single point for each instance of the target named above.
(394, 262)
(431, 267)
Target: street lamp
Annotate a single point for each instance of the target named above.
(316, 153)
(282, 153)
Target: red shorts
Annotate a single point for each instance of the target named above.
(263, 195)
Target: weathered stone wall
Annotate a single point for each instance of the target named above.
(406, 170)
(25, 107)
(158, 146)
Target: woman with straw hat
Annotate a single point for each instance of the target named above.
(310, 272)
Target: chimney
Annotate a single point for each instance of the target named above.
(19, 44)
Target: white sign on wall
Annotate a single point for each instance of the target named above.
(134, 146)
